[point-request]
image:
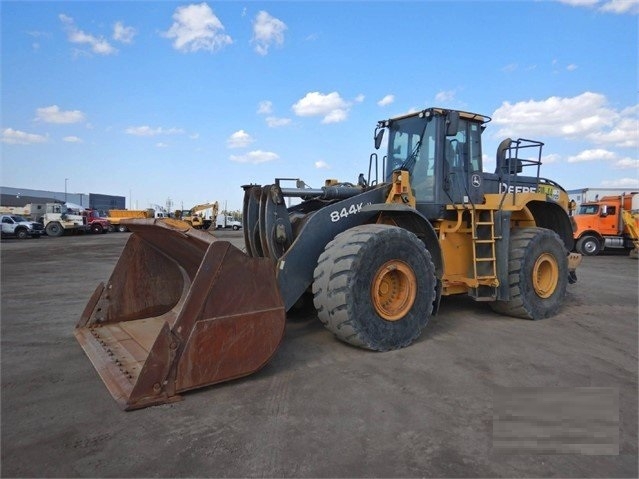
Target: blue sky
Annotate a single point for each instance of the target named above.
(189, 101)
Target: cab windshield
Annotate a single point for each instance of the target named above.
(588, 210)
(411, 146)
(17, 218)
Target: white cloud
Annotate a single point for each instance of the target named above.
(72, 139)
(359, 98)
(17, 137)
(255, 157)
(239, 139)
(592, 155)
(445, 96)
(613, 6)
(580, 3)
(122, 33)
(621, 183)
(274, 122)
(572, 67)
(624, 132)
(551, 158)
(161, 145)
(98, 44)
(148, 131)
(267, 30)
(195, 27)
(586, 116)
(332, 107)
(265, 107)
(627, 163)
(321, 165)
(387, 100)
(53, 114)
(621, 6)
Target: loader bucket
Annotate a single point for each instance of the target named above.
(181, 310)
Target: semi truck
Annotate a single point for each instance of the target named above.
(95, 222)
(609, 222)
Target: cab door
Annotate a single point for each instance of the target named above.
(462, 166)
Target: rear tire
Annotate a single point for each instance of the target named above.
(54, 229)
(374, 287)
(537, 272)
(588, 245)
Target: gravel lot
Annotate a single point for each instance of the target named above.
(444, 407)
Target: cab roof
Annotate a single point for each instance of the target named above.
(443, 111)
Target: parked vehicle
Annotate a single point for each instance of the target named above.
(226, 221)
(115, 217)
(57, 219)
(197, 217)
(183, 310)
(610, 222)
(19, 227)
(96, 223)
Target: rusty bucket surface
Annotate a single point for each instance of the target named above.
(181, 310)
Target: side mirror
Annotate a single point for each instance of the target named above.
(452, 123)
(379, 136)
(603, 211)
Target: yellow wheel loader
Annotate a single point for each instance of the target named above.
(183, 310)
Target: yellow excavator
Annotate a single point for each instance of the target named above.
(197, 221)
(183, 310)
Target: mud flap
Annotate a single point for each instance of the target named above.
(181, 310)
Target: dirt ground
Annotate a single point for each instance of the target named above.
(442, 407)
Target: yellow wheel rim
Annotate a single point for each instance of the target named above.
(393, 290)
(545, 275)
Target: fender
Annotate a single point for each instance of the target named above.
(551, 215)
(294, 270)
(412, 220)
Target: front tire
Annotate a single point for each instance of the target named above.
(96, 229)
(54, 229)
(374, 287)
(537, 272)
(122, 229)
(22, 234)
(588, 245)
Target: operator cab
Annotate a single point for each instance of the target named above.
(441, 149)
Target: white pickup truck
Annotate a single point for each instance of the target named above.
(17, 226)
(223, 221)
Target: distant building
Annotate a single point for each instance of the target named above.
(23, 196)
